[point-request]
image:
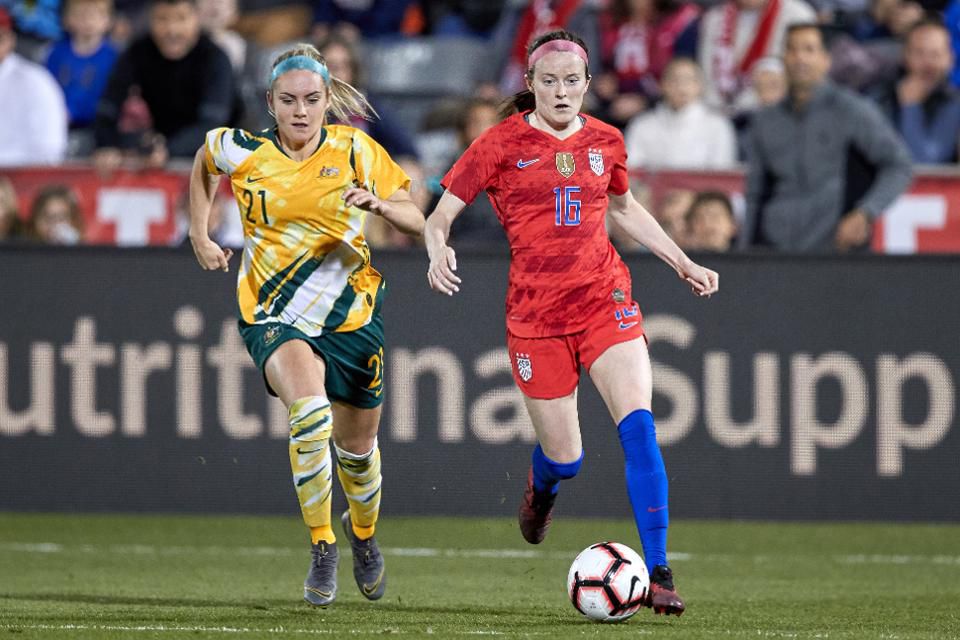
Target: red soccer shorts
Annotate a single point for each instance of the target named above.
(547, 368)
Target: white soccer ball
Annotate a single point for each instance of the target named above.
(608, 582)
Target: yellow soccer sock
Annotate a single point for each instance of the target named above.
(324, 533)
(360, 478)
(311, 423)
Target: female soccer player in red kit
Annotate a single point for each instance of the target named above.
(552, 174)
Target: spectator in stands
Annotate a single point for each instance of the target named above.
(681, 132)
(343, 63)
(166, 91)
(768, 86)
(802, 194)
(477, 225)
(711, 223)
(951, 18)
(12, 227)
(355, 20)
(81, 62)
(734, 35)
(55, 216)
(637, 40)
(922, 104)
(521, 22)
(217, 18)
(884, 20)
(670, 213)
(33, 113)
(38, 22)
(869, 54)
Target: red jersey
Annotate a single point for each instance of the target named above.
(551, 198)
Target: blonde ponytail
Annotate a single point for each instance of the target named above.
(346, 101)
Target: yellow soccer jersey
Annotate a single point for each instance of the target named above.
(305, 261)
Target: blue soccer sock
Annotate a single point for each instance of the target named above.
(646, 484)
(547, 473)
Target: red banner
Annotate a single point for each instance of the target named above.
(141, 208)
(926, 219)
(126, 209)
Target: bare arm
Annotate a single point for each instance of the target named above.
(399, 210)
(443, 260)
(203, 189)
(642, 227)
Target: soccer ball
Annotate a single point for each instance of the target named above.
(608, 582)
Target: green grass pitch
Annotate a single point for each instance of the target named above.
(139, 577)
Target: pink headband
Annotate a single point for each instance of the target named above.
(557, 45)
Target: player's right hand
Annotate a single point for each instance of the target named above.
(209, 254)
(441, 274)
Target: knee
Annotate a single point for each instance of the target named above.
(311, 419)
(638, 427)
(563, 466)
(357, 444)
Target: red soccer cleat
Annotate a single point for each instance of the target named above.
(663, 597)
(536, 512)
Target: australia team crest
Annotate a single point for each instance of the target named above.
(596, 161)
(524, 368)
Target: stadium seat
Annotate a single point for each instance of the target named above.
(410, 75)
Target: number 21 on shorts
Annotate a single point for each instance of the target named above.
(376, 364)
(567, 206)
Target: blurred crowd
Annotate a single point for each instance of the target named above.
(122, 83)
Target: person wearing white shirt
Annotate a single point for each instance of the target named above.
(33, 111)
(681, 132)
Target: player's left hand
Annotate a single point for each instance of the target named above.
(853, 230)
(703, 282)
(363, 199)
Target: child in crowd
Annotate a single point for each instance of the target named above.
(81, 62)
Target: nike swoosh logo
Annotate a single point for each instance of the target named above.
(627, 325)
(252, 180)
(303, 451)
(370, 589)
(655, 509)
(526, 163)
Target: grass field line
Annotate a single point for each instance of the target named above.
(248, 630)
(437, 552)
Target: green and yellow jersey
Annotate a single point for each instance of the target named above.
(305, 260)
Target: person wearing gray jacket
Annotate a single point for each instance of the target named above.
(823, 164)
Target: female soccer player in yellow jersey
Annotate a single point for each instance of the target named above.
(309, 300)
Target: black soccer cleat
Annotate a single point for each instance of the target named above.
(663, 597)
(368, 566)
(320, 587)
(536, 512)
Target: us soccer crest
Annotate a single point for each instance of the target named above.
(565, 164)
(596, 161)
(524, 368)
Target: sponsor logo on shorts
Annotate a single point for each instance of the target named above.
(270, 335)
(524, 368)
(624, 315)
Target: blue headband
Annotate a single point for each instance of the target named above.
(304, 63)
